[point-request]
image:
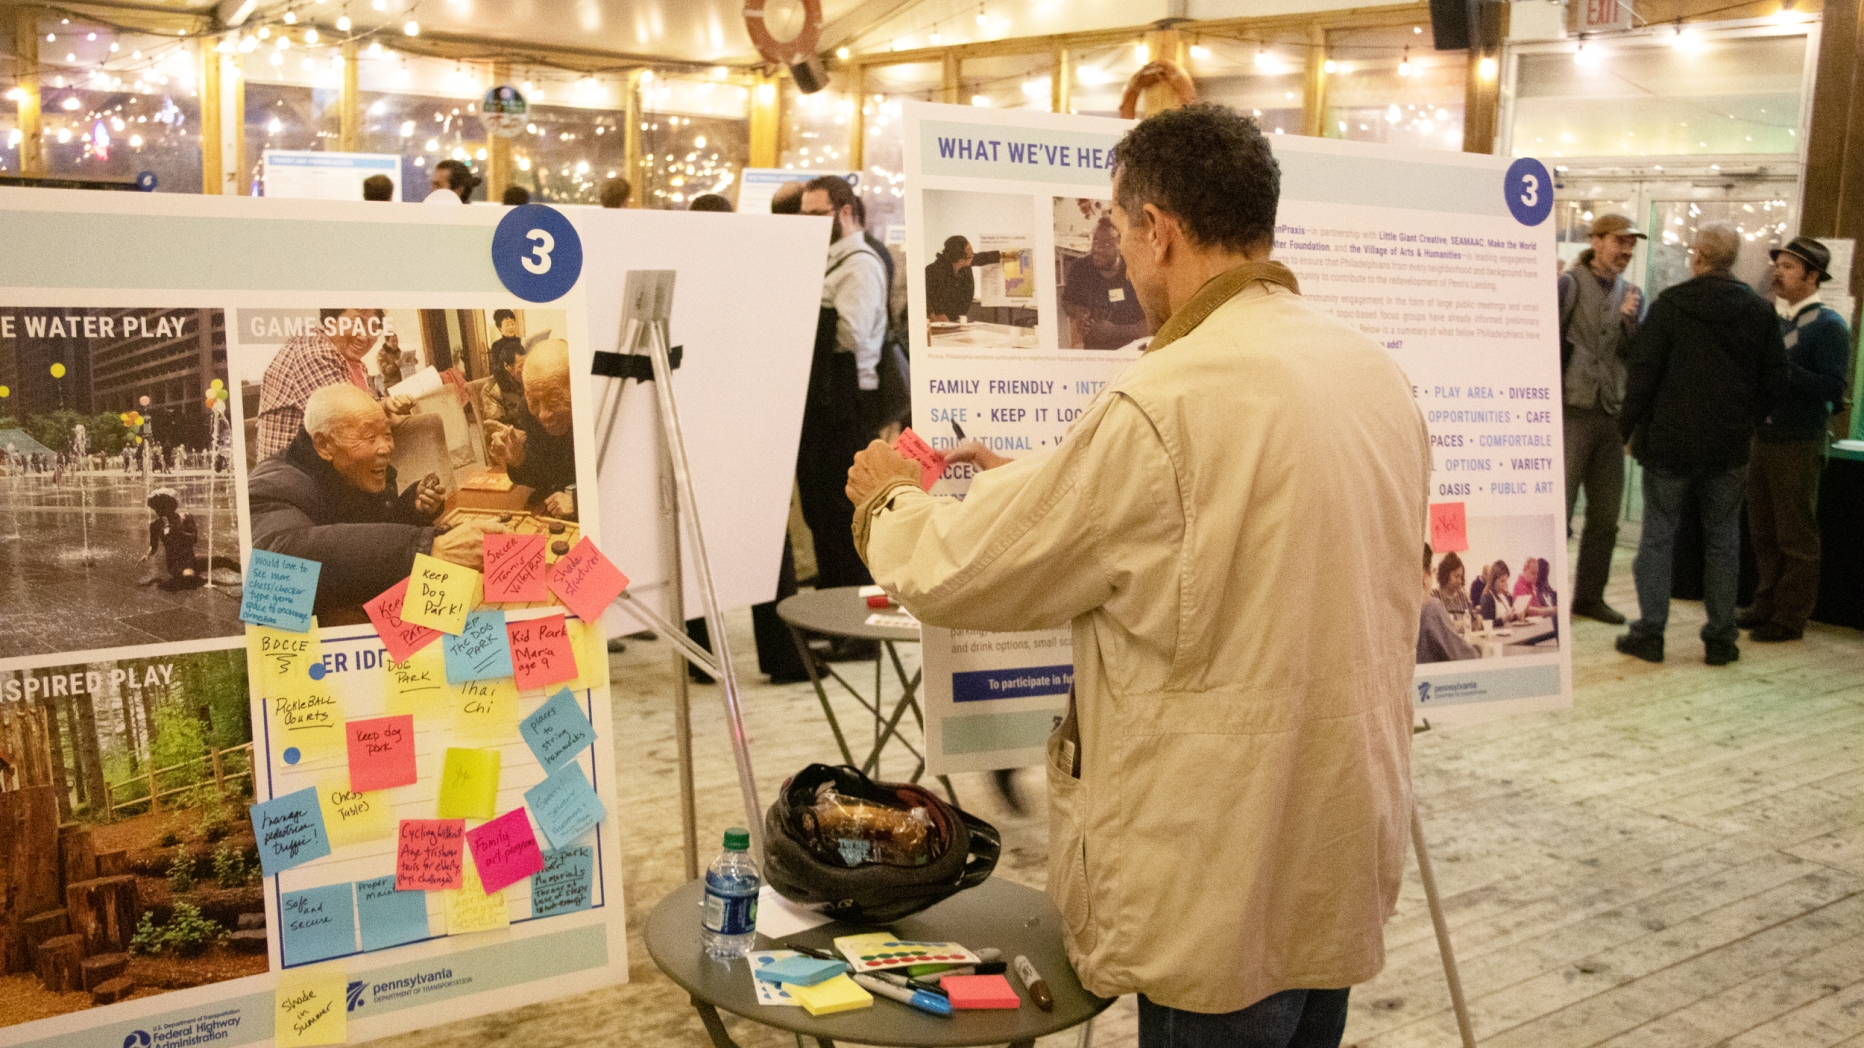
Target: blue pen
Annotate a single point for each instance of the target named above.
(925, 1002)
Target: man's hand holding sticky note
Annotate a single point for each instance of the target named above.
(931, 460)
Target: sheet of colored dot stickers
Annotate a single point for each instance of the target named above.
(305, 733)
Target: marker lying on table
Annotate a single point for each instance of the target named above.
(925, 1002)
(907, 982)
(1033, 982)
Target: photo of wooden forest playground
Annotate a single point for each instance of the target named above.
(127, 861)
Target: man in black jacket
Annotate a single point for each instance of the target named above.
(331, 497)
(1705, 368)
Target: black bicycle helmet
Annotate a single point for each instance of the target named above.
(797, 867)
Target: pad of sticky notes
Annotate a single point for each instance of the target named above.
(310, 1007)
(440, 594)
(290, 830)
(931, 461)
(839, 994)
(514, 569)
(980, 991)
(469, 784)
(541, 652)
(401, 637)
(481, 649)
(800, 971)
(586, 581)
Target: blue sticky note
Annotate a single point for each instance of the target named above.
(279, 591)
(565, 805)
(482, 650)
(317, 924)
(558, 731)
(388, 917)
(566, 883)
(800, 971)
(290, 831)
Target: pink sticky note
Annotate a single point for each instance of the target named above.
(504, 851)
(514, 569)
(980, 991)
(1449, 528)
(429, 853)
(931, 460)
(586, 581)
(402, 639)
(541, 653)
(381, 753)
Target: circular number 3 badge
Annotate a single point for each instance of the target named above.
(537, 253)
(1529, 191)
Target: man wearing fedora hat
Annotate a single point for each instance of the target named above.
(1599, 313)
(1789, 446)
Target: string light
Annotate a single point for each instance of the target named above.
(310, 35)
(412, 28)
(291, 17)
(343, 22)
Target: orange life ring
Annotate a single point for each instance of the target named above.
(795, 51)
(1159, 72)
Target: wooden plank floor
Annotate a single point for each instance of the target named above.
(1678, 862)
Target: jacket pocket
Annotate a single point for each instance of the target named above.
(1067, 857)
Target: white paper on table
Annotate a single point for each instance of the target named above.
(896, 620)
(778, 917)
(767, 991)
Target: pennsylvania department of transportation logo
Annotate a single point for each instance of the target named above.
(355, 998)
(137, 1039)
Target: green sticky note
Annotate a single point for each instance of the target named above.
(469, 784)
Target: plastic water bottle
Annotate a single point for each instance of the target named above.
(728, 923)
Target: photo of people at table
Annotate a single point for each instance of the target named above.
(1099, 308)
(1496, 597)
(373, 435)
(980, 284)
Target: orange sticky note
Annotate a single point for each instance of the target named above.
(586, 581)
(381, 753)
(931, 460)
(402, 639)
(1449, 527)
(514, 569)
(541, 654)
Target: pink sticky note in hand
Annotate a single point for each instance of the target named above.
(402, 639)
(514, 569)
(931, 460)
(381, 753)
(1449, 527)
(505, 851)
(586, 581)
(541, 652)
(428, 855)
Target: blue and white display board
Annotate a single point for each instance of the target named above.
(1445, 258)
(309, 174)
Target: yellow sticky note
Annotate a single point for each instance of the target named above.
(840, 994)
(469, 784)
(311, 1007)
(284, 659)
(470, 909)
(351, 818)
(440, 594)
(591, 645)
(485, 709)
(419, 685)
(308, 725)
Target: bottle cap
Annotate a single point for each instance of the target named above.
(737, 839)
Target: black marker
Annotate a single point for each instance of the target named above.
(955, 428)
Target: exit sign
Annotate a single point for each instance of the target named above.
(1603, 16)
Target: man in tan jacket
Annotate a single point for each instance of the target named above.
(1232, 529)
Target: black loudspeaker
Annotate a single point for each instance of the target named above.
(1449, 24)
(810, 76)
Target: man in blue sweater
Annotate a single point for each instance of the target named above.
(1789, 446)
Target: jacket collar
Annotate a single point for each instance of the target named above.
(1215, 292)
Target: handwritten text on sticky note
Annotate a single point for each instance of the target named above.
(427, 856)
(931, 460)
(284, 659)
(473, 909)
(401, 637)
(505, 850)
(351, 817)
(418, 685)
(557, 731)
(541, 654)
(289, 830)
(440, 594)
(469, 784)
(307, 726)
(564, 885)
(1449, 527)
(381, 753)
(585, 581)
(310, 1008)
(485, 709)
(279, 591)
(565, 805)
(482, 649)
(514, 568)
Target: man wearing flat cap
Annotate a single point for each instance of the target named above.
(1789, 446)
(1599, 314)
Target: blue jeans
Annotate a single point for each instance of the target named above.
(1289, 1019)
(1718, 495)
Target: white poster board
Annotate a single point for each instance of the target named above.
(756, 185)
(309, 174)
(1420, 250)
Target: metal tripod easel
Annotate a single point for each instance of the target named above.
(645, 354)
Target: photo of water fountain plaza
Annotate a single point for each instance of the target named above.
(73, 575)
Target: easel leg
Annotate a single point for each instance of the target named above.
(1429, 878)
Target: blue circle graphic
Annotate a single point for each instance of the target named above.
(316, 672)
(291, 755)
(537, 253)
(1529, 191)
(146, 181)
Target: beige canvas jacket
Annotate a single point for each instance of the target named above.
(1234, 530)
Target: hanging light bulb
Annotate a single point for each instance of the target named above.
(1404, 64)
(375, 49)
(935, 38)
(982, 18)
(291, 17)
(1262, 57)
(343, 22)
(412, 28)
(310, 35)
(265, 31)
(1330, 66)
(248, 46)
